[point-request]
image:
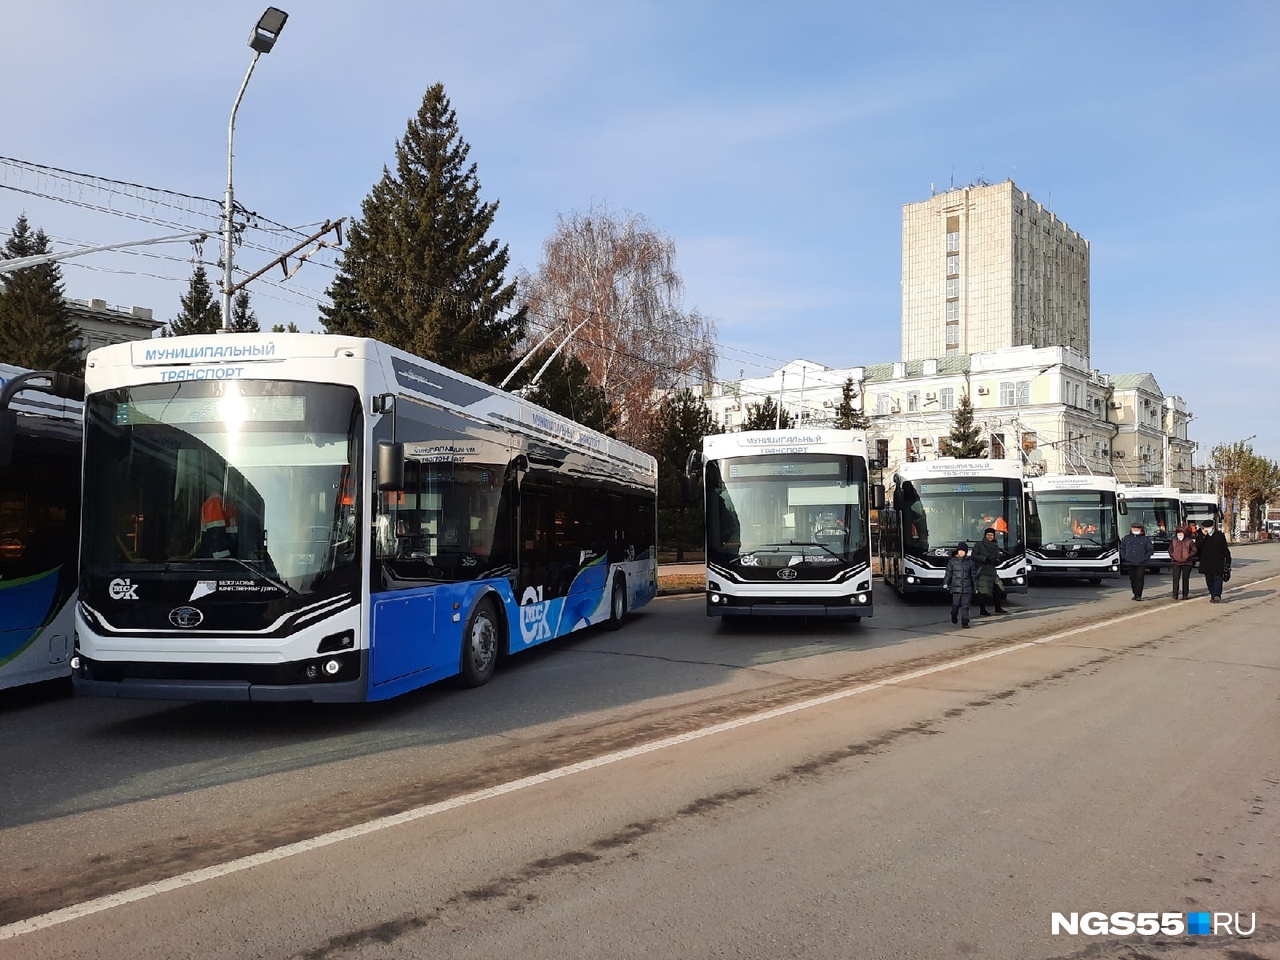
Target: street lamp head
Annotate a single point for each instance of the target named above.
(267, 30)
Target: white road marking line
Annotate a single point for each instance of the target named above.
(89, 907)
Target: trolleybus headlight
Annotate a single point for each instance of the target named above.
(862, 598)
(75, 662)
(714, 597)
(911, 579)
(331, 667)
(1018, 580)
(712, 585)
(311, 671)
(337, 641)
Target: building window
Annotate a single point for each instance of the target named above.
(953, 309)
(913, 401)
(997, 446)
(953, 264)
(953, 334)
(882, 405)
(1012, 392)
(953, 287)
(882, 451)
(953, 243)
(947, 398)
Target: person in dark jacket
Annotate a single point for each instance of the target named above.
(1182, 554)
(1135, 550)
(1215, 559)
(961, 581)
(986, 557)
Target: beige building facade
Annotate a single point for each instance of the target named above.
(102, 323)
(985, 267)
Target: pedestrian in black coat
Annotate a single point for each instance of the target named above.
(986, 558)
(961, 581)
(1135, 550)
(1215, 559)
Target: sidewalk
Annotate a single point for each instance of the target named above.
(681, 578)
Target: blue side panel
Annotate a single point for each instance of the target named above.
(24, 608)
(585, 603)
(404, 631)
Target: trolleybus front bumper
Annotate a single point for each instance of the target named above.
(226, 682)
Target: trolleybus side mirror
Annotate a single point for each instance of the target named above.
(877, 496)
(1029, 501)
(60, 385)
(691, 479)
(390, 465)
(1122, 508)
(8, 430)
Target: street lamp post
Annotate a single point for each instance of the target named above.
(264, 36)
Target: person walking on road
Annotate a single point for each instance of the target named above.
(1215, 559)
(961, 581)
(1182, 554)
(1135, 550)
(986, 556)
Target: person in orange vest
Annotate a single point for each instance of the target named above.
(219, 525)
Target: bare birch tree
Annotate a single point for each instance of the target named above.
(613, 283)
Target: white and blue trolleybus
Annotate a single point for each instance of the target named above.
(1201, 508)
(306, 517)
(39, 523)
(1159, 511)
(933, 505)
(788, 523)
(1074, 532)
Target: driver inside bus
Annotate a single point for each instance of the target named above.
(219, 523)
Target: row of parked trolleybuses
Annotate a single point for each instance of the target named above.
(789, 522)
(300, 517)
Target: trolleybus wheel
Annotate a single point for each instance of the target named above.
(617, 604)
(480, 644)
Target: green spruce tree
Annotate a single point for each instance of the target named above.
(849, 415)
(243, 319)
(281, 328)
(765, 416)
(964, 442)
(201, 311)
(566, 388)
(682, 420)
(418, 271)
(36, 328)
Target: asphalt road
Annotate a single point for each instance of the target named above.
(686, 790)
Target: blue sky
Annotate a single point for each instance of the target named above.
(775, 143)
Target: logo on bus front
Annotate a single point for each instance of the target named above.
(186, 617)
(534, 625)
(787, 573)
(122, 589)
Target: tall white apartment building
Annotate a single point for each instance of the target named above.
(985, 267)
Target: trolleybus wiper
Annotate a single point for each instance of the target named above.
(263, 574)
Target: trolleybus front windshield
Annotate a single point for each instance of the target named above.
(255, 478)
(805, 505)
(1158, 516)
(1080, 518)
(938, 514)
